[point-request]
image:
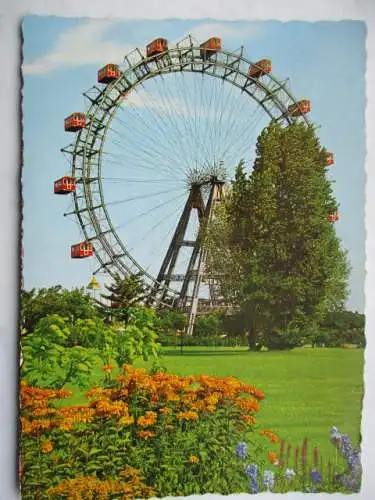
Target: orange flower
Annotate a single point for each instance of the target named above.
(46, 446)
(126, 420)
(148, 419)
(249, 419)
(145, 434)
(248, 404)
(270, 435)
(193, 459)
(165, 411)
(272, 457)
(66, 425)
(187, 415)
(107, 368)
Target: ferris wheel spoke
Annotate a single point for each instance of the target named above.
(199, 107)
(150, 141)
(160, 222)
(233, 117)
(137, 166)
(145, 181)
(150, 210)
(237, 131)
(163, 119)
(180, 124)
(142, 149)
(230, 109)
(141, 197)
(133, 157)
(247, 135)
(211, 113)
(120, 159)
(173, 113)
(156, 140)
(190, 112)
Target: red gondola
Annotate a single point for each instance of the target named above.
(82, 250)
(329, 159)
(262, 67)
(333, 217)
(65, 185)
(156, 47)
(74, 122)
(108, 73)
(300, 108)
(210, 47)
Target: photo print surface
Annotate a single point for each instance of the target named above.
(192, 300)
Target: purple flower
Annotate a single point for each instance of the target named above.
(252, 473)
(316, 476)
(335, 434)
(254, 488)
(354, 462)
(241, 450)
(289, 474)
(350, 482)
(251, 470)
(346, 447)
(268, 480)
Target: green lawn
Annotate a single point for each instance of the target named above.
(307, 390)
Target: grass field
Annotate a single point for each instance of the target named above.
(307, 390)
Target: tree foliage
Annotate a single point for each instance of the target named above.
(124, 293)
(283, 261)
(71, 304)
(48, 362)
(341, 327)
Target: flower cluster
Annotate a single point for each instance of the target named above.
(137, 418)
(169, 399)
(164, 398)
(129, 485)
(252, 473)
(352, 479)
(308, 474)
(241, 450)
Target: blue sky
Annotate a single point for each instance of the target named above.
(325, 62)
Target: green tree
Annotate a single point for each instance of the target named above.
(71, 304)
(286, 264)
(124, 293)
(341, 327)
(138, 338)
(208, 325)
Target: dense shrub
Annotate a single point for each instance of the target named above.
(180, 432)
(57, 352)
(341, 327)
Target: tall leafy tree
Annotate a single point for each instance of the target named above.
(288, 268)
(124, 293)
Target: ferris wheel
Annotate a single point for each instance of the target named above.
(161, 137)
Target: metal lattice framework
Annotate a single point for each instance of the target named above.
(271, 94)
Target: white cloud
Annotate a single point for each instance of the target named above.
(143, 99)
(79, 46)
(85, 44)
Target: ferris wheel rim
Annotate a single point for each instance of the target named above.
(104, 106)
